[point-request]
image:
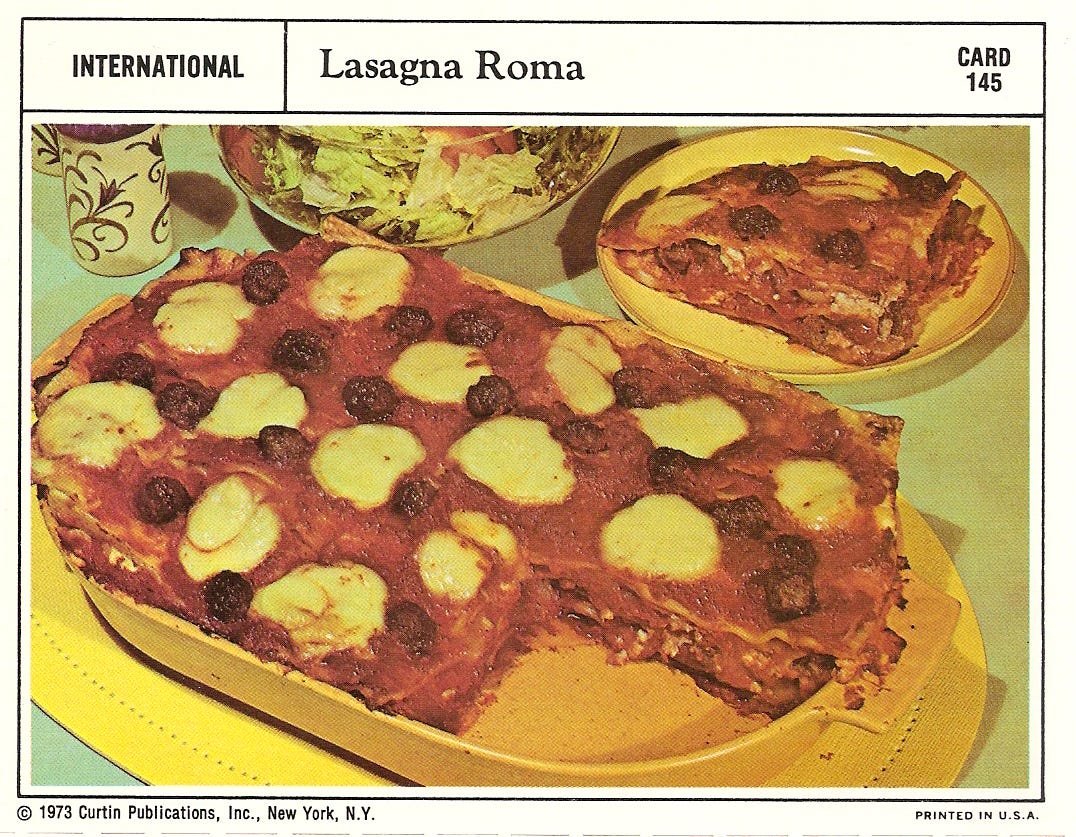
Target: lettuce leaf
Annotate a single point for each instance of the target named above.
(480, 181)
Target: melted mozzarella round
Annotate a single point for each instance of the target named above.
(438, 372)
(698, 426)
(95, 423)
(662, 535)
(817, 492)
(450, 565)
(251, 402)
(229, 527)
(581, 360)
(355, 283)
(517, 458)
(670, 211)
(481, 529)
(363, 463)
(860, 182)
(325, 608)
(454, 562)
(203, 318)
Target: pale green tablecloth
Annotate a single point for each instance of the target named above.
(964, 459)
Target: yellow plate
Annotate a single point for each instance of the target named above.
(945, 327)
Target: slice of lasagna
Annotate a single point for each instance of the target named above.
(843, 257)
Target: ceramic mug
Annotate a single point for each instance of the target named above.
(116, 188)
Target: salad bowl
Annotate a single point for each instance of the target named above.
(430, 186)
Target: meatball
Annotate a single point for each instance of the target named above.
(410, 625)
(413, 497)
(789, 595)
(301, 350)
(130, 367)
(582, 436)
(369, 398)
(227, 596)
(409, 323)
(743, 517)
(788, 583)
(635, 386)
(185, 403)
(264, 280)
(681, 256)
(669, 467)
(161, 500)
(750, 222)
(473, 327)
(778, 181)
(928, 186)
(282, 445)
(491, 395)
(843, 247)
(793, 553)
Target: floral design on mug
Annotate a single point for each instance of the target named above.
(45, 148)
(157, 174)
(99, 206)
(97, 221)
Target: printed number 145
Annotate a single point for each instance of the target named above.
(984, 81)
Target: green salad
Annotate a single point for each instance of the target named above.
(412, 185)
